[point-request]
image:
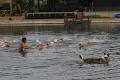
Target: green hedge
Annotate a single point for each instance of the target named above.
(48, 16)
(98, 15)
(4, 13)
(95, 15)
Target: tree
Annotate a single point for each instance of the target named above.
(52, 5)
(87, 3)
(31, 5)
(19, 6)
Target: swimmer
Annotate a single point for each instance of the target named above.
(91, 41)
(61, 40)
(54, 43)
(58, 40)
(23, 46)
(102, 60)
(5, 43)
(50, 44)
(82, 44)
(40, 46)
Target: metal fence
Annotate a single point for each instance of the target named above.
(48, 15)
(59, 15)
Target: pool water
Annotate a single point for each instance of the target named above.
(61, 62)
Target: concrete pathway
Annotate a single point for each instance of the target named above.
(29, 22)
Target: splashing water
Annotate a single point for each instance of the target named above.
(101, 37)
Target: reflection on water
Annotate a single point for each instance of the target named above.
(61, 62)
(109, 27)
(20, 30)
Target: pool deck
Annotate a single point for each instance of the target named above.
(37, 22)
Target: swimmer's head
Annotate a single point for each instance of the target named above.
(61, 39)
(24, 40)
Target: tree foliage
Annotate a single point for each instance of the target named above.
(19, 6)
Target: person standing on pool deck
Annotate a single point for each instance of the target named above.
(23, 46)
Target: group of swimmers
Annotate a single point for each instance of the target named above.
(23, 46)
(40, 45)
(55, 42)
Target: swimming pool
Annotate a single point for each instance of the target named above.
(60, 62)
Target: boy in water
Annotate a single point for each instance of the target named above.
(23, 46)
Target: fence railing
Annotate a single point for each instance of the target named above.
(55, 15)
(48, 15)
